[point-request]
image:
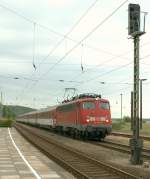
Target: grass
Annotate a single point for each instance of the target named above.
(122, 126)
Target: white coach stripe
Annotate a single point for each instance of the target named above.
(22, 156)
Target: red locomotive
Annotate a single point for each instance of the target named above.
(87, 116)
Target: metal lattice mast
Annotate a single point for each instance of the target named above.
(134, 31)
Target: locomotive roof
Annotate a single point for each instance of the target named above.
(83, 100)
(65, 103)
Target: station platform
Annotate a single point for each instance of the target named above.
(21, 160)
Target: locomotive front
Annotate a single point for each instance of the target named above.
(96, 117)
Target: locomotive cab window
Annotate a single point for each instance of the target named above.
(88, 105)
(104, 105)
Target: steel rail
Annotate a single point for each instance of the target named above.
(78, 163)
(129, 135)
(121, 148)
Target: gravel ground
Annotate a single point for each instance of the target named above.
(109, 156)
(117, 159)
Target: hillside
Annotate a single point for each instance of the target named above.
(17, 110)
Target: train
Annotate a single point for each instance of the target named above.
(85, 116)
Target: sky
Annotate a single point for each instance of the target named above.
(49, 46)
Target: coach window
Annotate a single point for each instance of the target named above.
(88, 105)
(66, 108)
(104, 105)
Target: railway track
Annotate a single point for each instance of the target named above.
(79, 164)
(129, 135)
(121, 148)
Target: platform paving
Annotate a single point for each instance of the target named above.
(12, 166)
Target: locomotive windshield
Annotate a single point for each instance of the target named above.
(88, 105)
(104, 105)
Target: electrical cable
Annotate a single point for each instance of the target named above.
(113, 70)
(90, 33)
(65, 36)
(96, 28)
(80, 42)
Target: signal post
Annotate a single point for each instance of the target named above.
(134, 31)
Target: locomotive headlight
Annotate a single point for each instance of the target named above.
(107, 120)
(90, 119)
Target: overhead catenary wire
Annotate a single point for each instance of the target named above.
(110, 71)
(89, 34)
(30, 20)
(116, 91)
(16, 13)
(84, 38)
(115, 69)
(80, 42)
(109, 60)
(101, 64)
(42, 26)
(52, 31)
(55, 32)
(82, 16)
(120, 82)
(65, 36)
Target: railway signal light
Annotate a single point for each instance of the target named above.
(133, 19)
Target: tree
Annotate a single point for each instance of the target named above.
(7, 113)
(4, 112)
(126, 119)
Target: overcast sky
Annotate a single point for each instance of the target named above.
(50, 45)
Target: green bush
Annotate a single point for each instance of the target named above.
(6, 122)
(126, 119)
